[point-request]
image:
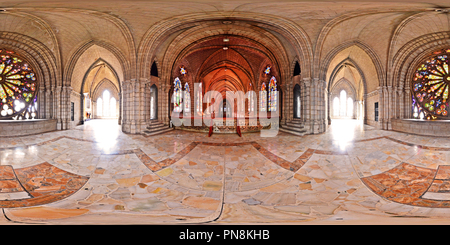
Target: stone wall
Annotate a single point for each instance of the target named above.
(26, 127)
(422, 127)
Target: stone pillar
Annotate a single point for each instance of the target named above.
(389, 107)
(163, 104)
(82, 106)
(134, 101)
(402, 104)
(120, 108)
(381, 102)
(65, 107)
(41, 104)
(125, 106)
(408, 103)
(322, 100)
(48, 110)
(57, 106)
(306, 101)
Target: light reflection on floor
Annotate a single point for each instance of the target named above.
(246, 183)
(105, 132)
(343, 131)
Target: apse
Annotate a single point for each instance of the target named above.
(225, 65)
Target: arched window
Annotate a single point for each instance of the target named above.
(99, 107)
(297, 101)
(112, 107)
(430, 87)
(18, 87)
(263, 98)
(187, 98)
(177, 95)
(106, 101)
(343, 103)
(297, 69)
(273, 94)
(106, 105)
(349, 107)
(336, 106)
(154, 70)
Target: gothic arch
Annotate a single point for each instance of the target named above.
(366, 49)
(74, 59)
(412, 53)
(292, 32)
(96, 63)
(45, 65)
(105, 84)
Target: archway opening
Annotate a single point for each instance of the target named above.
(297, 102)
(233, 70)
(153, 102)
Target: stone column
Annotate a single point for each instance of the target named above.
(402, 105)
(322, 93)
(140, 105)
(66, 107)
(389, 108)
(41, 104)
(380, 107)
(57, 106)
(48, 110)
(285, 113)
(120, 108)
(408, 103)
(306, 102)
(134, 101)
(163, 98)
(125, 106)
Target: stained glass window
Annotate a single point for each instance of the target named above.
(183, 71)
(187, 97)
(18, 88)
(273, 94)
(177, 95)
(267, 70)
(263, 98)
(430, 87)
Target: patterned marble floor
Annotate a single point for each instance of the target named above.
(352, 174)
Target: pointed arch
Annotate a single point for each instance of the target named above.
(297, 69)
(122, 71)
(154, 69)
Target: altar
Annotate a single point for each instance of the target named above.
(226, 125)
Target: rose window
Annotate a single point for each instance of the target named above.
(430, 87)
(18, 87)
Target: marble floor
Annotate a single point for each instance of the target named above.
(352, 174)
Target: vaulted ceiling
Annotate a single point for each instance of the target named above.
(126, 28)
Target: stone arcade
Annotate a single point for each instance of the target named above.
(92, 94)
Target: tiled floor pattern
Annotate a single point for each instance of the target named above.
(88, 175)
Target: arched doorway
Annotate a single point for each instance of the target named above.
(153, 102)
(297, 102)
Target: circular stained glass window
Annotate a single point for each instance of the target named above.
(18, 87)
(430, 87)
